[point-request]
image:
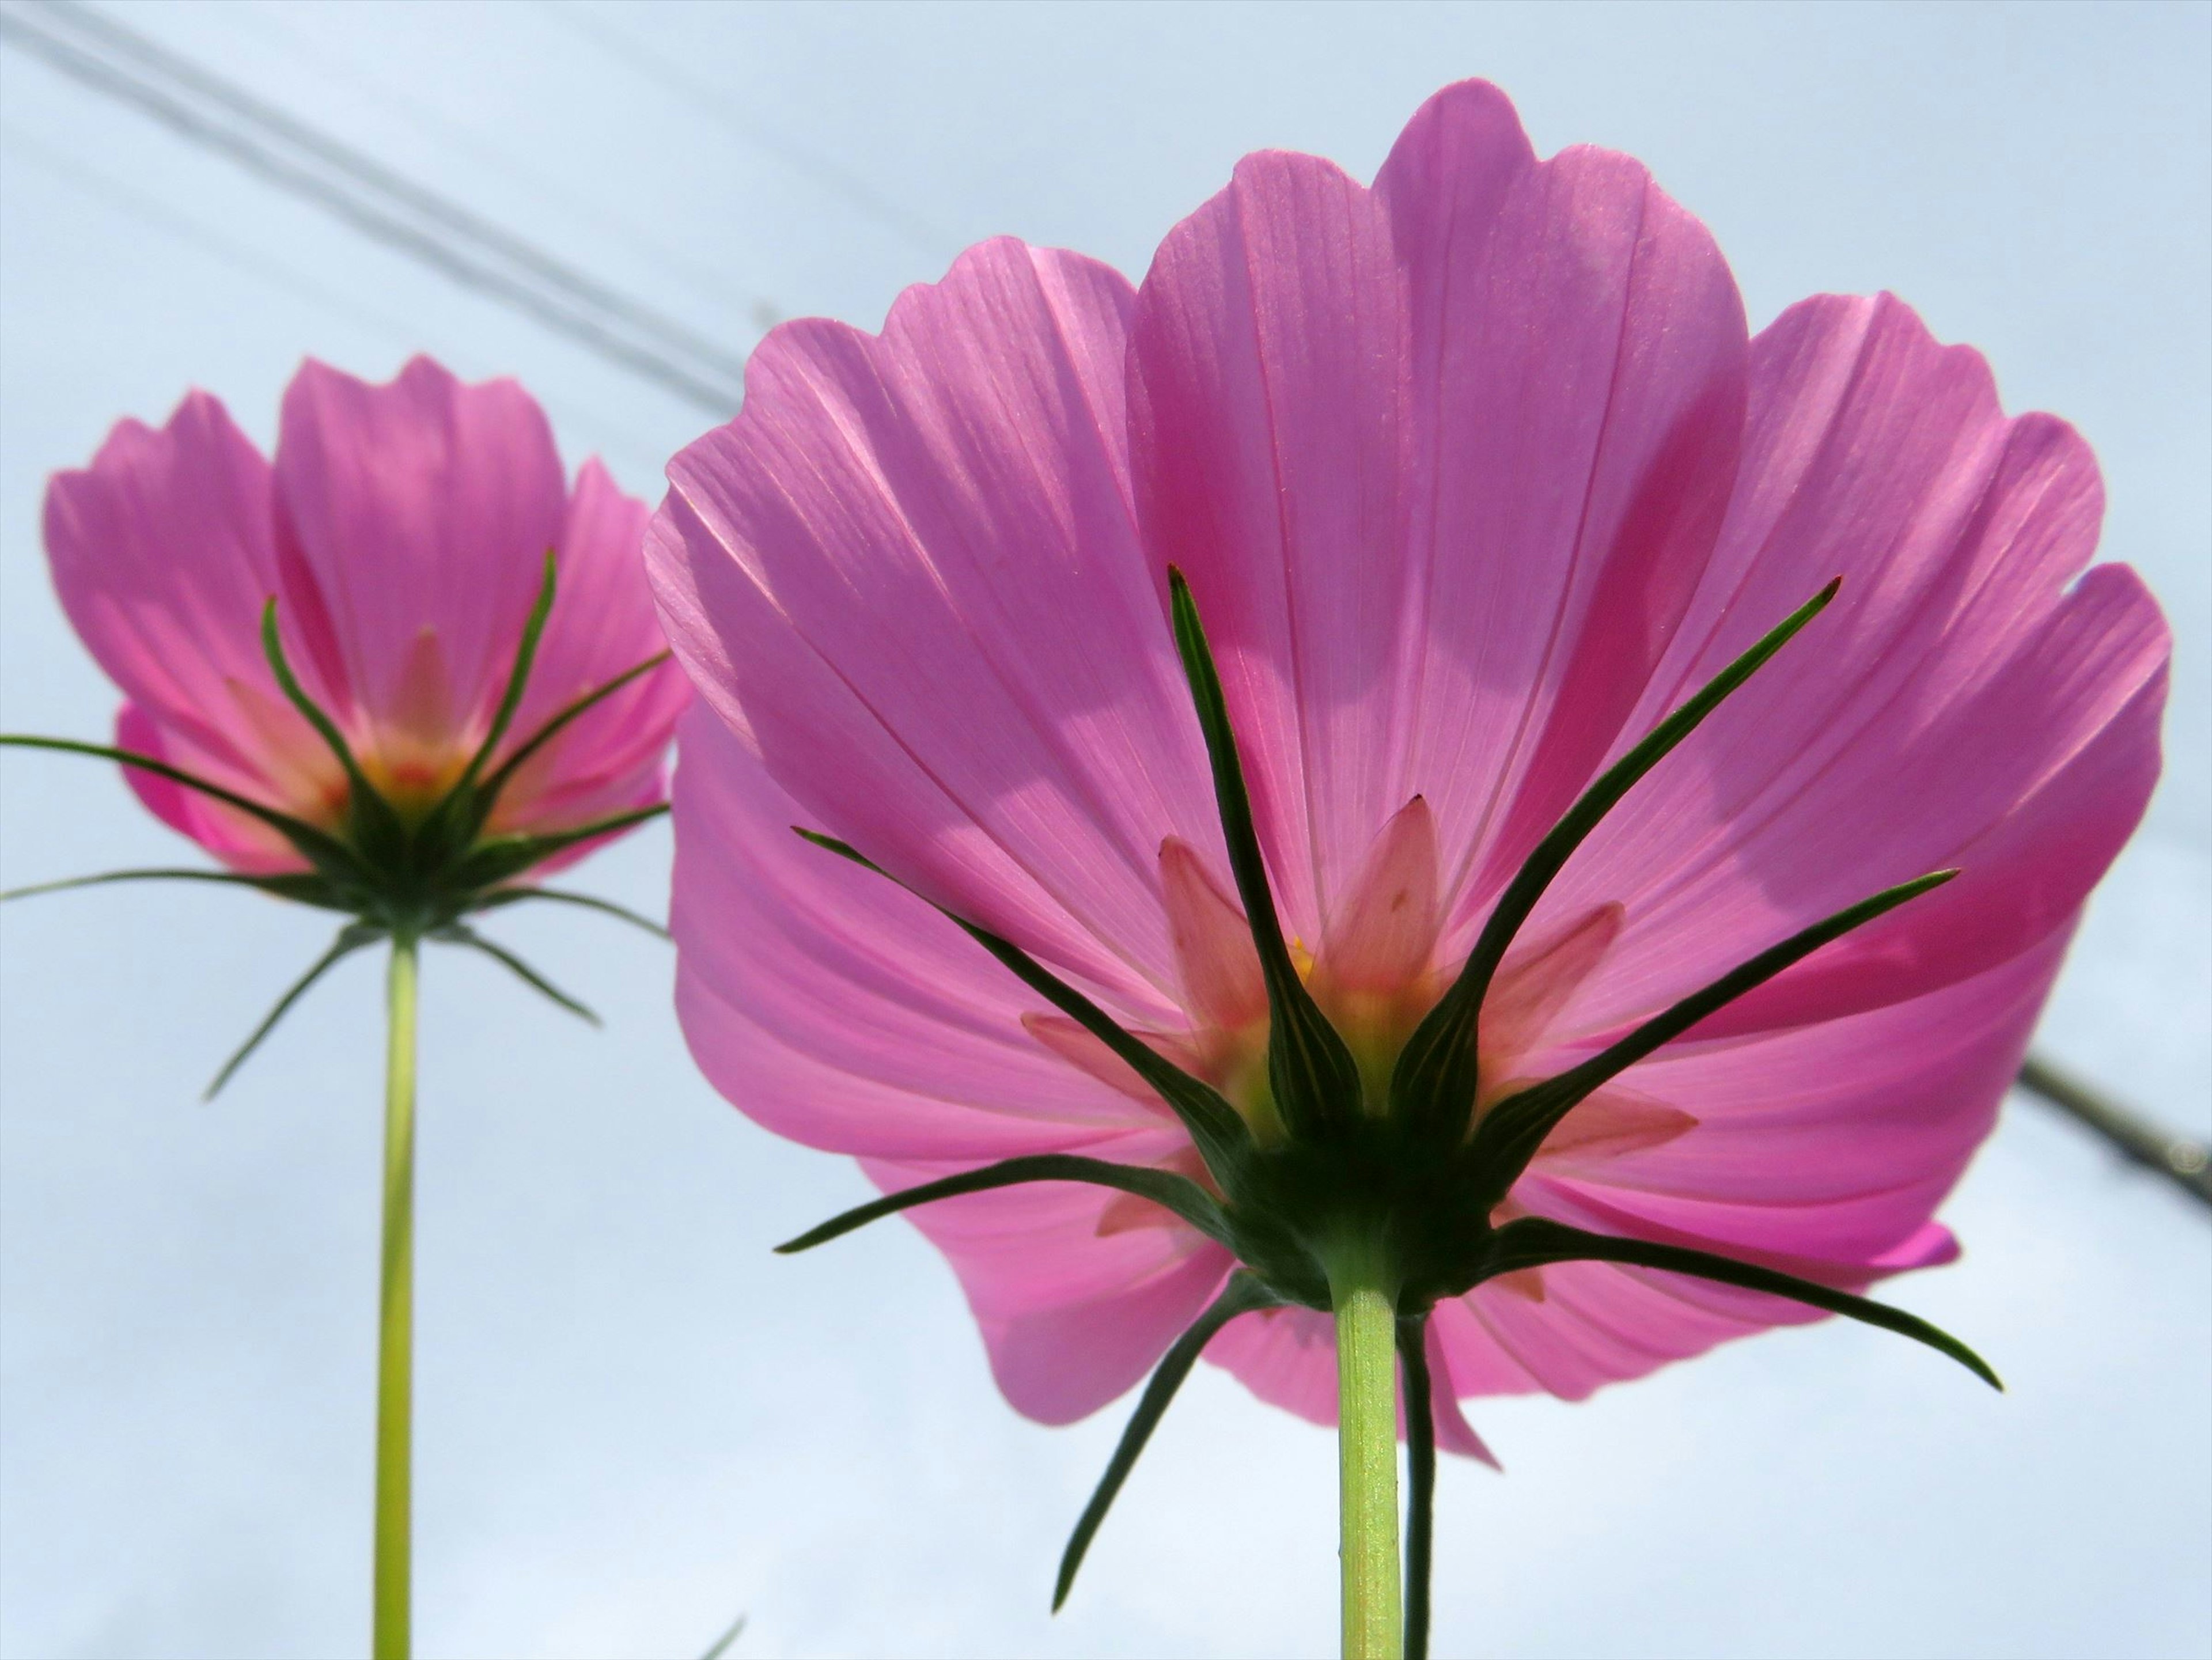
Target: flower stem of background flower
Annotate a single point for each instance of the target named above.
(1363, 1286)
(395, 1325)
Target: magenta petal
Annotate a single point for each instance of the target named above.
(603, 623)
(162, 555)
(415, 517)
(239, 840)
(1832, 1140)
(840, 1011)
(1287, 1358)
(909, 572)
(1997, 714)
(1073, 1313)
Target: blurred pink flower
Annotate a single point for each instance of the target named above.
(403, 530)
(1475, 475)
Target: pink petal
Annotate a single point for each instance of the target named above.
(419, 508)
(162, 556)
(1384, 928)
(1538, 979)
(1611, 1124)
(1073, 1313)
(237, 839)
(613, 757)
(1442, 462)
(841, 1010)
(1287, 1358)
(1834, 1140)
(1997, 714)
(1267, 405)
(909, 573)
(1217, 964)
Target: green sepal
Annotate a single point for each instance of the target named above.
(1178, 1193)
(1420, 1478)
(1535, 1242)
(1214, 1125)
(499, 898)
(458, 933)
(505, 857)
(318, 847)
(1509, 1134)
(1435, 1078)
(1242, 1295)
(486, 795)
(376, 825)
(453, 822)
(1310, 1070)
(350, 938)
(304, 887)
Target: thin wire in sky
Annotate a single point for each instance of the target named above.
(723, 108)
(255, 263)
(460, 245)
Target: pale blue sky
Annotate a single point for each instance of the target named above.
(635, 1422)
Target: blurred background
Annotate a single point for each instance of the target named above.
(633, 1423)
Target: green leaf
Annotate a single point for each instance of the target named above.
(489, 863)
(1435, 1075)
(1176, 1193)
(1420, 1478)
(1240, 1295)
(1533, 1242)
(1214, 1125)
(499, 897)
(375, 820)
(318, 845)
(456, 934)
(351, 937)
(304, 887)
(1509, 1134)
(1314, 1079)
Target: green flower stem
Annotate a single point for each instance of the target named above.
(1362, 1287)
(395, 1325)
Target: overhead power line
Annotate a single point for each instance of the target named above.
(460, 244)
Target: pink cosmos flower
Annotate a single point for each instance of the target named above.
(345, 672)
(347, 676)
(1475, 475)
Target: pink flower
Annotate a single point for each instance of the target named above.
(477, 685)
(1475, 475)
(403, 531)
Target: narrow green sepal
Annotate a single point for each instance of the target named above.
(1509, 1133)
(518, 679)
(1178, 1193)
(1420, 1478)
(318, 847)
(1242, 1295)
(351, 937)
(505, 857)
(376, 822)
(1435, 1075)
(1534, 1241)
(1310, 1069)
(486, 795)
(498, 898)
(306, 888)
(1214, 1125)
(460, 934)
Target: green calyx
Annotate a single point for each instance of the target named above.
(398, 870)
(1397, 1159)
